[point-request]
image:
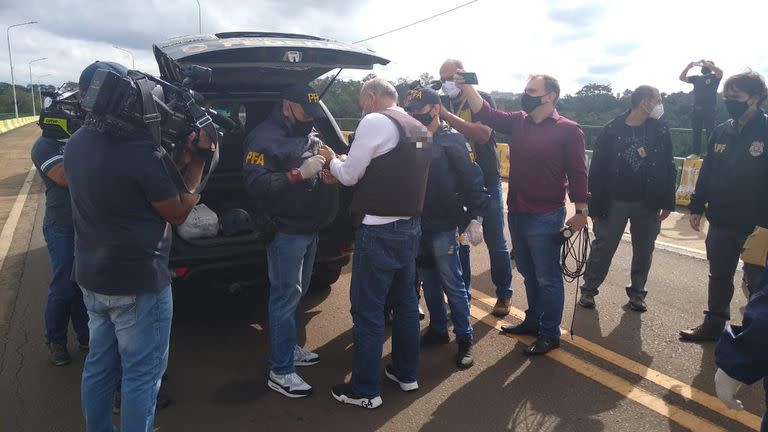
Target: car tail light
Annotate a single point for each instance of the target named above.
(179, 272)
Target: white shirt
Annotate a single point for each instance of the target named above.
(375, 135)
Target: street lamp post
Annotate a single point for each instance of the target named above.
(199, 18)
(32, 85)
(10, 59)
(133, 64)
(39, 91)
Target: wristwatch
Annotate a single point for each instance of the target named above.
(584, 212)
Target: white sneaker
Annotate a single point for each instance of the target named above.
(290, 385)
(302, 357)
(404, 386)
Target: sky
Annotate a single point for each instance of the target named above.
(621, 43)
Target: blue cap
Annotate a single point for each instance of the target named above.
(87, 75)
(307, 97)
(421, 97)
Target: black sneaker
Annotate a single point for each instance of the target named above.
(432, 338)
(464, 359)
(587, 300)
(637, 304)
(389, 371)
(346, 395)
(58, 354)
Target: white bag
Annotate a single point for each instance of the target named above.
(202, 222)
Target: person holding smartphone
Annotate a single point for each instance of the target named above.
(482, 143)
(540, 141)
(704, 99)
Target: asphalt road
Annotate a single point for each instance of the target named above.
(624, 371)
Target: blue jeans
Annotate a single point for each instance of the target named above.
(128, 333)
(65, 300)
(498, 251)
(384, 263)
(443, 275)
(290, 260)
(537, 253)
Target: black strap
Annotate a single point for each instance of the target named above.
(152, 120)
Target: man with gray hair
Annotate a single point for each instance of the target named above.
(389, 162)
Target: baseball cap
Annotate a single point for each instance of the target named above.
(87, 75)
(420, 97)
(307, 97)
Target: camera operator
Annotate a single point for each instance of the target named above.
(65, 300)
(704, 100)
(123, 201)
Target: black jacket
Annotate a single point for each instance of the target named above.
(271, 150)
(454, 183)
(660, 171)
(733, 180)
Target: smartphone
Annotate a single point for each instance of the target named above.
(469, 77)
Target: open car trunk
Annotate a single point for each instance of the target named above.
(245, 62)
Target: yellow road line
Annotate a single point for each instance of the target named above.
(611, 381)
(676, 386)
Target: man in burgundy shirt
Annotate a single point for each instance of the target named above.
(547, 156)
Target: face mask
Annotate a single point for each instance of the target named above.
(657, 112)
(451, 90)
(530, 103)
(301, 127)
(735, 108)
(425, 119)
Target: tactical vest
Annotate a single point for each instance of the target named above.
(395, 183)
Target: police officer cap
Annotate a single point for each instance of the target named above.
(87, 75)
(420, 97)
(307, 97)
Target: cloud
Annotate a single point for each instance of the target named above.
(573, 36)
(622, 48)
(577, 17)
(606, 69)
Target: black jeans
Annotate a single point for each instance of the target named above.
(724, 247)
(703, 118)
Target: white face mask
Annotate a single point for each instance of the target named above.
(657, 112)
(451, 90)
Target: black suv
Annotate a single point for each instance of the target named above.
(249, 70)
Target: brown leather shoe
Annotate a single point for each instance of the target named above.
(701, 333)
(501, 309)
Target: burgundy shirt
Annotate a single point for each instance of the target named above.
(545, 159)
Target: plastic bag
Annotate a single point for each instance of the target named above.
(202, 222)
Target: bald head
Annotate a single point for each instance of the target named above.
(449, 68)
(376, 95)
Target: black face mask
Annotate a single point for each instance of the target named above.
(301, 128)
(735, 108)
(530, 103)
(425, 119)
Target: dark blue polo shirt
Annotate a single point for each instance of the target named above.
(46, 154)
(121, 242)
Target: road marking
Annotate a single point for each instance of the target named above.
(6, 236)
(658, 378)
(611, 381)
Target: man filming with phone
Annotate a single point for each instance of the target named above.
(540, 141)
(704, 99)
(123, 202)
(482, 141)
